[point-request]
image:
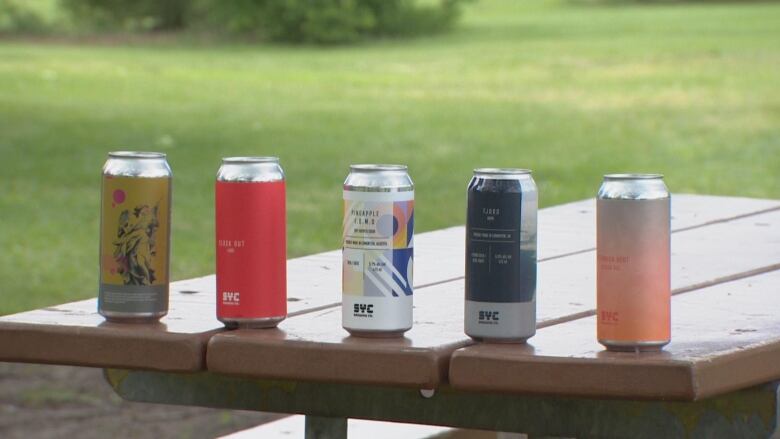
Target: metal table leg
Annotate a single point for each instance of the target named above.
(320, 427)
(747, 413)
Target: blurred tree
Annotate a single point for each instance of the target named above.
(143, 15)
(304, 21)
(16, 16)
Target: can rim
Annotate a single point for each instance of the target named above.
(136, 155)
(502, 171)
(632, 176)
(367, 167)
(251, 159)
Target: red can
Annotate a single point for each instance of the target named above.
(251, 242)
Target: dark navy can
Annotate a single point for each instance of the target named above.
(501, 255)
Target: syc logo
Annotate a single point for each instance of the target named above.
(488, 317)
(363, 310)
(231, 297)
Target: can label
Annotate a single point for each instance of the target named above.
(377, 269)
(499, 270)
(500, 265)
(134, 244)
(633, 265)
(251, 250)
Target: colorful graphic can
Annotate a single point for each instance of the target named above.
(135, 237)
(251, 242)
(633, 262)
(501, 255)
(378, 240)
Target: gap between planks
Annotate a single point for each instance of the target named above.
(592, 312)
(681, 229)
(675, 292)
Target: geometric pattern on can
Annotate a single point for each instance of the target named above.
(378, 252)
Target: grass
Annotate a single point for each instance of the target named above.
(570, 90)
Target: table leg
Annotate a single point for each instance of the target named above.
(321, 427)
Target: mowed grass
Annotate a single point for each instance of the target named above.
(570, 90)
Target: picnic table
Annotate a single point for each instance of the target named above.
(717, 378)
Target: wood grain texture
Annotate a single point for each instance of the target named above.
(700, 256)
(75, 334)
(570, 228)
(724, 337)
(314, 347)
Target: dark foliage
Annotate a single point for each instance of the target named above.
(17, 17)
(134, 15)
(300, 21)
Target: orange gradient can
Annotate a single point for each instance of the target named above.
(633, 286)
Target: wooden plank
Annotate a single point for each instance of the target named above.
(748, 413)
(700, 256)
(724, 337)
(75, 334)
(570, 228)
(314, 281)
(315, 347)
(690, 210)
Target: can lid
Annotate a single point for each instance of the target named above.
(633, 176)
(501, 171)
(377, 168)
(136, 155)
(240, 160)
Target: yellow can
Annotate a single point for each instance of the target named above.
(135, 235)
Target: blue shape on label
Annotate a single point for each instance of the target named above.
(402, 261)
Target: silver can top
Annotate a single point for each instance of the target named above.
(138, 155)
(633, 187)
(613, 177)
(250, 169)
(502, 173)
(377, 168)
(137, 164)
(378, 178)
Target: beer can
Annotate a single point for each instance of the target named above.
(501, 255)
(135, 237)
(251, 242)
(633, 262)
(377, 251)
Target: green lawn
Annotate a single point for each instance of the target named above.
(570, 90)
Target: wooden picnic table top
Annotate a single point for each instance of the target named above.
(720, 246)
(724, 337)
(75, 334)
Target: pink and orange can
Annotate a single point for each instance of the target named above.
(633, 287)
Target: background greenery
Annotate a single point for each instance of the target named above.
(296, 21)
(571, 90)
